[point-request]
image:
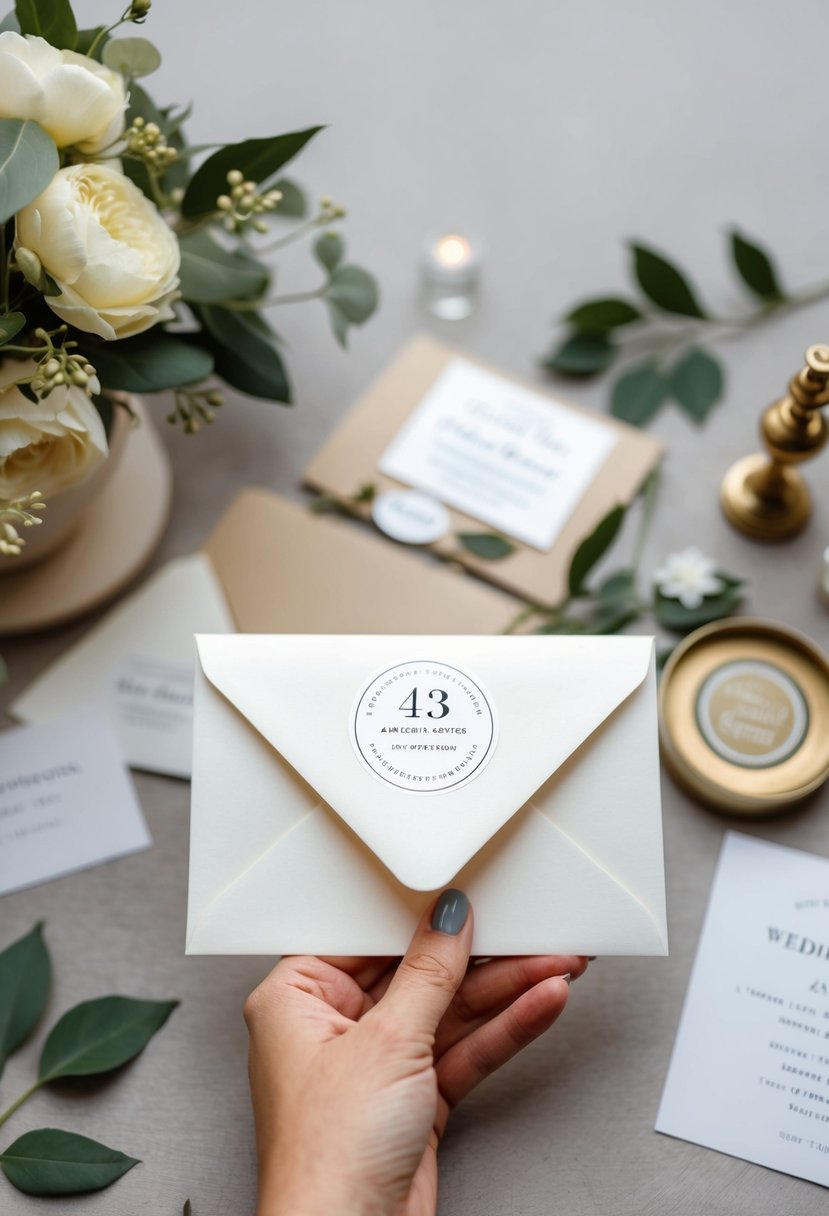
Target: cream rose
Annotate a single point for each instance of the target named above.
(79, 102)
(48, 445)
(114, 258)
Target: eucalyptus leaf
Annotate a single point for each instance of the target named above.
(487, 545)
(10, 324)
(293, 204)
(621, 585)
(339, 322)
(25, 980)
(329, 250)
(257, 159)
(97, 1036)
(697, 383)
(755, 268)
(593, 548)
(581, 354)
(10, 22)
(28, 162)
(149, 362)
(211, 274)
(664, 284)
(638, 393)
(52, 1162)
(132, 57)
(354, 291)
(611, 617)
(49, 19)
(598, 316)
(673, 615)
(244, 349)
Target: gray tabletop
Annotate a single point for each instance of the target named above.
(553, 131)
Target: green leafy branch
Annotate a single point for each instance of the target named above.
(92, 1038)
(668, 361)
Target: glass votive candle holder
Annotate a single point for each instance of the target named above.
(451, 275)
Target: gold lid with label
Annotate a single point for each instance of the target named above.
(744, 715)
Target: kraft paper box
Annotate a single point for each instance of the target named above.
(502, 454)
(339, 782)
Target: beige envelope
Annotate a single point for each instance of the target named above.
(338, 782)
(349, 459)
(286, 570)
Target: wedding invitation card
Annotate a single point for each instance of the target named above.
(66, 800)
(750, 1069)
(494, 454)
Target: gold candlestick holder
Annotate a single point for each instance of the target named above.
(764, 495)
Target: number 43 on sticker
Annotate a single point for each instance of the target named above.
(411, 709)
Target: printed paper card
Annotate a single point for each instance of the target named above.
(153, 701)
(66, 800)
(750, 1069)
(499, 452)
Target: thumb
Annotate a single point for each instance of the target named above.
(434, 965)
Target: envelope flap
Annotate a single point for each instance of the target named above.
(425, 746)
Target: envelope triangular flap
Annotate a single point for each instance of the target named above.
(548, 695)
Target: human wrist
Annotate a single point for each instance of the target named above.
(287, 1192)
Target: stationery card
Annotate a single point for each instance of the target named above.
(499, 452)
(750, 1069)
(139, 659)
(66, 800)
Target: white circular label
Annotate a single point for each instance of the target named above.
(410, 517)
(752, 714)
(424, 727)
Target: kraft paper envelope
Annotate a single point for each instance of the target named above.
(339, 782)
(349, 460)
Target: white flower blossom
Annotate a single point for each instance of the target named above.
(689, 577)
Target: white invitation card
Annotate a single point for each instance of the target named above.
(66, 800)
(499, 452)
(750, 1069)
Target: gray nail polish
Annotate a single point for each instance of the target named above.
(450, 912)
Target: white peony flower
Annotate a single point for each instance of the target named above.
(688, 577)
(114, 258)
(77, 101)
(46, 445)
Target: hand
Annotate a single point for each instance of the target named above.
(356, 1063)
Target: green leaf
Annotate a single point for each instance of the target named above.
(149, 363)
(581, 354)
(619, 585)
(354, 292)
(10, 22)
(4, 671)
(28, 162)
(97, 1036)
(487, 545)
(329, 250)
(50, 19)
(593, 548)
(52, 1162)
(187, 1209)
(244, 349)
(258, 160)
(131, 57)
(25, 980)
(293, 204)
(638, 393)
(671, 614)
(10, 324)
(598, 316)
(617, 603)
(663, 284)
(211, 274)
(755, 268)
(697, 383)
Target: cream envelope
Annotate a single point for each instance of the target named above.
(340, 781)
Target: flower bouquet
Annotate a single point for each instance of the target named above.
(129, 260)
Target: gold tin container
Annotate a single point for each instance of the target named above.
(744, 715)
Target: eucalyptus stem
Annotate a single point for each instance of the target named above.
(301, 230)
(297, 297)
(18, 1102)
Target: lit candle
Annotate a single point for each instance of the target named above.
(451, 266)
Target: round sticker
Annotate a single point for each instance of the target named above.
(752, 714)
(424, 727)
(410, 517)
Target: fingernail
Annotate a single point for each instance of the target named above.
(591, 958)
(567, 977)
(450, 912)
